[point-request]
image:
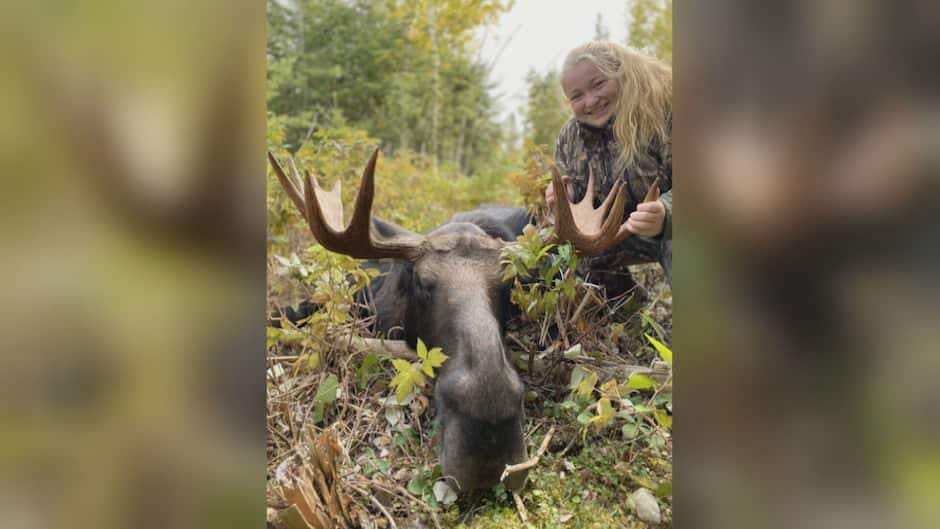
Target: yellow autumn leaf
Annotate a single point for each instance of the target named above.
(663, 418)
(664, 351)
(638, 381)
(587, 384)
(605, 413)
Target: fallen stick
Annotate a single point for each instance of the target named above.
(378, 505)
(520, 507)
(512, 469)
(659, 374)
(395, 348)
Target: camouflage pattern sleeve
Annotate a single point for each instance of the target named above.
(666, 199)
(564, 146)
(666, 173)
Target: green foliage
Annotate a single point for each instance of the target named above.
(408, 191)
(531, 183)
(555, 280)
(410, 375)
(430, 359)
(372, 65)
(547, 110)
(664, 352)
(429, 486)
(650, 27)
(330, 280)
(326, 395)
(408, 378)
(368, 367)
(582, 491)
(598, 407)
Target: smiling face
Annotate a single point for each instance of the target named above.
(592, 96)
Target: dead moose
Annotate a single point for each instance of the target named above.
(446, 288)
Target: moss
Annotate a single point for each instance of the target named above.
(592, 495)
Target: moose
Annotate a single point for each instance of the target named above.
(445, 287)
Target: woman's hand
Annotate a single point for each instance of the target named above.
(550, 191)
(648, 219)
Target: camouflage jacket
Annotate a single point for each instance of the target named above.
(581, 147)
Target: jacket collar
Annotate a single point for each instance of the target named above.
(591, 134)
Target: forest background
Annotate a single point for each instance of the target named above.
(410, 76)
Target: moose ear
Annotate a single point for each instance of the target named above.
(390, 230)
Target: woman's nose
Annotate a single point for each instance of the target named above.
(590, 101)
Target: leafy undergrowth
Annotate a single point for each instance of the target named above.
(582, 490)
(352, 440)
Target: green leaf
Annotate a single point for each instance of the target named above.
(664, 490)
(605, 413)
(422, 349)
(664, 351)
(552, 270)
(369, 365)
(327, 391)
(638, 381)
(629, 431)
(417, 485)
(663, 418)
(313, 361)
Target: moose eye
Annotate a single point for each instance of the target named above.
(424, 283)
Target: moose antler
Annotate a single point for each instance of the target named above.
(325, 217)
(590, 230)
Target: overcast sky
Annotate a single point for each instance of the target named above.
(539, 34)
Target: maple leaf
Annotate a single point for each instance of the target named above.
(407, 378)
(430, 359)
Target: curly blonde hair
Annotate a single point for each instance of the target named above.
(645, 86)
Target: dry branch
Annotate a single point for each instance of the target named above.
(378, 505)
(512, 469)
(660, 374)
(395, 348)
(521, 508)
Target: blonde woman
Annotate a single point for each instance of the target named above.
(622, 106)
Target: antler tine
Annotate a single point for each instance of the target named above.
(324, 214)
(408, 247)
(362, 214)
(293, 191)
(582, 225)
(563, 216)
(330, 203)
(651, 195)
